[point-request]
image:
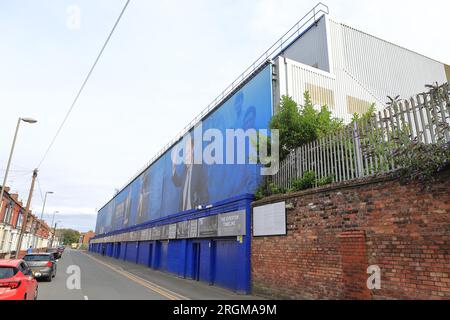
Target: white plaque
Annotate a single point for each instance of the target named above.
(270, 219)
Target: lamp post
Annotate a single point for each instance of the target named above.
(54, 233)
(53, 219)
(23, 228)
(27, 120)
(43, 206)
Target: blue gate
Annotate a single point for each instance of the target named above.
(123, 250)
(132, 251)
(144, 253)
(225, 266)
(163, 253)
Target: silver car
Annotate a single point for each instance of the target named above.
(43, 265)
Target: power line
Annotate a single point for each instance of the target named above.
(84, 83)
(40, 190)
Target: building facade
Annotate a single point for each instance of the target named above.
(86, 237)
(194, 220)
(348, 70)
(37, 232)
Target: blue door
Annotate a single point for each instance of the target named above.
(132, 250)
(163, 255)
(123, 251)
(144, 253)
(150, 255)
(117, 252)
(196, 261)
(109, 249)
(225, 266)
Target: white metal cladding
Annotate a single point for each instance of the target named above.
(311, 48)
(300, 76)
(384, 68)
(364, 70)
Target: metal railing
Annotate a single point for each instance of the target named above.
(296, 30)
(365, 146)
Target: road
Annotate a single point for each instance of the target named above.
(103, 278)
(97, 282)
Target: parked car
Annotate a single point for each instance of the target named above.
(43, 265)
(17, 281)
(61, 250)
(55, 252)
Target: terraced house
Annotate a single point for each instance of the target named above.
(37, 232)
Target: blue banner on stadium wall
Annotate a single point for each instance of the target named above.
(165, 189)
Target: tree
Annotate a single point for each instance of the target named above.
(287, 121)
(70, 236)
(298, 126)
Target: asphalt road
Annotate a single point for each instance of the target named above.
(97, 282)
(103, 278)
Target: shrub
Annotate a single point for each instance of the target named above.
(325, 180)
(268, 189)
(298, 126)
(305, 182)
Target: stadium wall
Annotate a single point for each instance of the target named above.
(207, 239)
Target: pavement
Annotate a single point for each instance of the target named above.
(104, 278)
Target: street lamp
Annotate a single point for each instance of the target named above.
(54, 233)
(53, 219)
(27, 120)
(43, 206)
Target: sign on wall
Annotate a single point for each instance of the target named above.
(172, 231)
(193, 228)
(183, 230)
(165, 232)
(222, 225)
(207, 227)
(270, 219)
(156, 233)
(231, 224)
(145, 235)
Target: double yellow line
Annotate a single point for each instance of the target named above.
(143, 282)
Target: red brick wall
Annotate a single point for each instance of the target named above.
(334, 233)
(354, 264)
(87, 237)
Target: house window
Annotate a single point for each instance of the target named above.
(8, 214)
(3, 240)
(19, 220)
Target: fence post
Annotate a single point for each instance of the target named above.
(358, 151)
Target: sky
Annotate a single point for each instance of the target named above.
(166, 61)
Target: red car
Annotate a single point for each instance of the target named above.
(17, 281)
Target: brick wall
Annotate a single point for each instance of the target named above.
(334, 233)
